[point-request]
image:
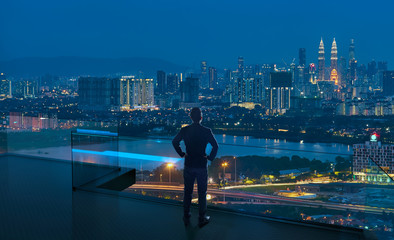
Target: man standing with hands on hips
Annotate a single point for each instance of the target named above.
(196, 138)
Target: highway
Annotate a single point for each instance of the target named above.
(258, 198)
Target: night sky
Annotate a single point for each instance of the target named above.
(186, 32)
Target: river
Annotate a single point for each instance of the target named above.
(228, 146)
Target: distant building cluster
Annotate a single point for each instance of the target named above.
(115, 94)
(345, 87)
(352, 89)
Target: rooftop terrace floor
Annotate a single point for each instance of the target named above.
(36, 202)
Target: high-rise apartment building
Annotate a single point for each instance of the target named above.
(278, 92)
(172, 83)
(372, 69)
(302, 57)
(189, 92)
(103, 94)
(250, 90)
(161, 82)
(99, 94)
(136, 93)
(342, 71)
(388, 83)
(142, 93)
(227, 77)
(382, 66)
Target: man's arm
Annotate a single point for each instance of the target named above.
(214, 144)
(176, 143)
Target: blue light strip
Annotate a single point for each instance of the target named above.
(97, 132)
(129, 155)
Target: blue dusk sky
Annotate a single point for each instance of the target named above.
(186, 32)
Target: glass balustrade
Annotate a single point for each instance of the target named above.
(307, 182)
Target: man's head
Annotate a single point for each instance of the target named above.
(196, 115)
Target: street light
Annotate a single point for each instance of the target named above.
(235, 173)
(169, 165)
(224, 165)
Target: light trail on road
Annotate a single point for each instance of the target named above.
(264, 197)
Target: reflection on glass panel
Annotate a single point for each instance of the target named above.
(94, 155)
(42, 136)
(3, 141)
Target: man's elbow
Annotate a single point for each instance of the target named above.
(215, 146)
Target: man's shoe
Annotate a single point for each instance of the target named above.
(203, 221)
(186, 221)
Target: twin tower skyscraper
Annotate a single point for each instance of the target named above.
(333, 70)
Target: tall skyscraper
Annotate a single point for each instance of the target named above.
(312, 73)
(189, 92)
(99, 94)
(241, 64)
(302, 57)
(382, 67)
(321, 59)
(388, 83)
(258, 90)
(213, 78)
(204, 82)
(352, 64)
(352, 52)
(342, 70)
(361, 72)
(278, 92)
(372, 70)
(352, 72)
(172, 83)
(203, 67)
(301, 72)
(334, 63)
(161, 82)
(227, 77)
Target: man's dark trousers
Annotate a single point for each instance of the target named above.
(189, 175)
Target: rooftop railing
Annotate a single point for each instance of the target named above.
(304, 182)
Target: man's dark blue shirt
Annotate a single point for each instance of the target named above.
(196, 138)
